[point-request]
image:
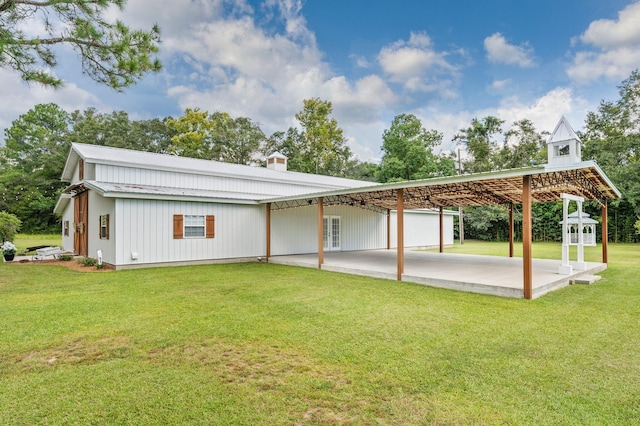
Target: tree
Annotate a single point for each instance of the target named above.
(523, 146)
(9, 226)
(479, 139)
(32, 160)
(612, 138)
(216, 136)
(324, 148)
(407, 149)
(117, 130)
(111, 53)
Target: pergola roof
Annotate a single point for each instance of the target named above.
(584, 179)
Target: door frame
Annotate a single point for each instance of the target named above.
(81, 224)
(327, 232)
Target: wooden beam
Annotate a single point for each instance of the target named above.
(526, 238)
(441, 231)
(320, 233)
(605, 234)
(268, 231)
(511, 230)
(400, 248)
(388, 229)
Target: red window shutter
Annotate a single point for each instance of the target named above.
(178, 227)
(107, 227)
(211, 221)
(81, 169)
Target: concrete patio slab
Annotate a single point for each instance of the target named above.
(499, 276)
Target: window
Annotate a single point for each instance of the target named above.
(104, 227)
(193, 226)
(65, 228)
(562, 150)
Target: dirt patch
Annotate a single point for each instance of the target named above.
(70, 264)
(82, 351)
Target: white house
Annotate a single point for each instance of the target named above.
(146, 209)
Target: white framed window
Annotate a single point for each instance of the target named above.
(104, 227)
(194, 226)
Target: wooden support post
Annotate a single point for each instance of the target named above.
(526, 238)
(268, 231)
(400, 249)
(320, 232)
(605, 234)
(511, 230)
(388, 229)
(441, 231)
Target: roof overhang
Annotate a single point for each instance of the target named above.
(147, 192)
(584, 179)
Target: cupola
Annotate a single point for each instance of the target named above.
(277, 161)
(563, 146)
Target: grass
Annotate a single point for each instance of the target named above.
(269, 344)
(22, 241)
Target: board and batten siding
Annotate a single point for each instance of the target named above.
(145, 227)
(136, 176)
(295, 231)
(98, 206)
(421, 229)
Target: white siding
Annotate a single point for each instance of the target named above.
(99, 206)
(295, 231)
(128, 175)
(146, 227)
(67, 215)
(422, 229)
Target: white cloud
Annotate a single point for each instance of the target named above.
(417, 65)
(609, 34)
(18, 97)
(500, 84)
(544, 112)
(500, 51)
(615, 48)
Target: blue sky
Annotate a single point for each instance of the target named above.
(446, 62)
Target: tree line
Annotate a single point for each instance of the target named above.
(37, 144)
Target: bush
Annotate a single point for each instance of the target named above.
(88, 261)
(9, 226)
(65, 257)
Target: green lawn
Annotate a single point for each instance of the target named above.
(270, 344)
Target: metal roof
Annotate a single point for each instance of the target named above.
(148, 160)
(584, 179)
(120, 190)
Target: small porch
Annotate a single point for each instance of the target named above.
(493, 275)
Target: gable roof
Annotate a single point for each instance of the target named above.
(563, 132)
(148, 160)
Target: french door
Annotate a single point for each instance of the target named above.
(331, 232)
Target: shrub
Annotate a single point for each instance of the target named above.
(9, 226)
(65, 257)
(88, 261)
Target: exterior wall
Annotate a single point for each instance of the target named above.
(98, 206)
(146, 227)
(67, 215)
(421, 229)
(128, 175)
(295, 231)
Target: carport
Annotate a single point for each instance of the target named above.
(544, 183)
